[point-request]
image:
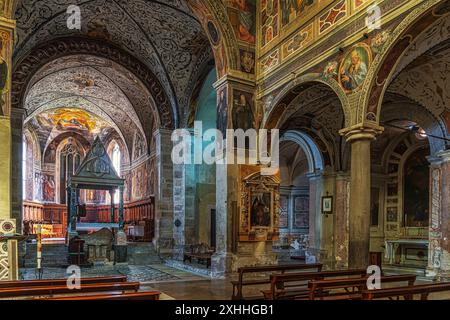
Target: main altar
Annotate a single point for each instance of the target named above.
(102, 242)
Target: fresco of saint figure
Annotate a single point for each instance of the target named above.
(222, 108)
(243, 117)
(354, 68)
(3, 77)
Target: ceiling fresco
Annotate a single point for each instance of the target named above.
(72, 119)
(162, 34)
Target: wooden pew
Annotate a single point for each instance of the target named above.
(59, 282)
(148, 296)
(240, 283)
(350, 289)
(52, 290)
(295, 285)
(406, 292)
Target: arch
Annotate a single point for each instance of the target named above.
(290, 91)
(312, 152)
(385, 64)
(213, 16)
(43, 54)
(413, 112)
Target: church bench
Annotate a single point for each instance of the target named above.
(52, 290)
(349, 289)
(152, 295)
(240, 283)
(59, 282)
(295, 285)
(406, 292)
(201, 252)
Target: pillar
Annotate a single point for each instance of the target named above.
(360, 139)
(439, 228)
(17, 119)
(341, 226)
(121, 221)
(111, 195)
(7, 27)
(164, 213)
(8, 259)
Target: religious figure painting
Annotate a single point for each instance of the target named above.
(260, 210)
(417, 189)
(49, 188)
(3, 77)
(242, 16)
(222, 111)
(243, 111)
(354, 67)
(292, 9)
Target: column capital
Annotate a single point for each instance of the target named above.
(361, 132)
(439, 158)
(18, 113)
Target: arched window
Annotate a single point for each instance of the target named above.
(70, 160)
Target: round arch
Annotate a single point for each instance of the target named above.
(213, 16)
(383, 69)
(288, 94)
(307, 144)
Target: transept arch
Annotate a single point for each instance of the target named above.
(427, 21)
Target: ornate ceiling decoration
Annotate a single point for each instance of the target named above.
(426, 81)
(164, 35)
(98, 86)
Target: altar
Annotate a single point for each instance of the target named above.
(407, 252)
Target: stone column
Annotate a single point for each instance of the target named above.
(164, 222)
(221, 262)
(121, 222)
(17, 119)
(360, 139)
(179, 212)
(341, 226)
(111, 194)
(439, 233)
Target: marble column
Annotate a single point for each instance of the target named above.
(439, 229)
(360, 139)
(164, 214)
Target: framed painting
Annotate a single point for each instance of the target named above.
(261, 209)
(327, 205)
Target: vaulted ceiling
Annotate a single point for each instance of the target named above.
(164, 35)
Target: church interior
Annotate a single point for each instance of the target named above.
(354, 96)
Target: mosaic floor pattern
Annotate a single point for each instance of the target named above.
(134, 273)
